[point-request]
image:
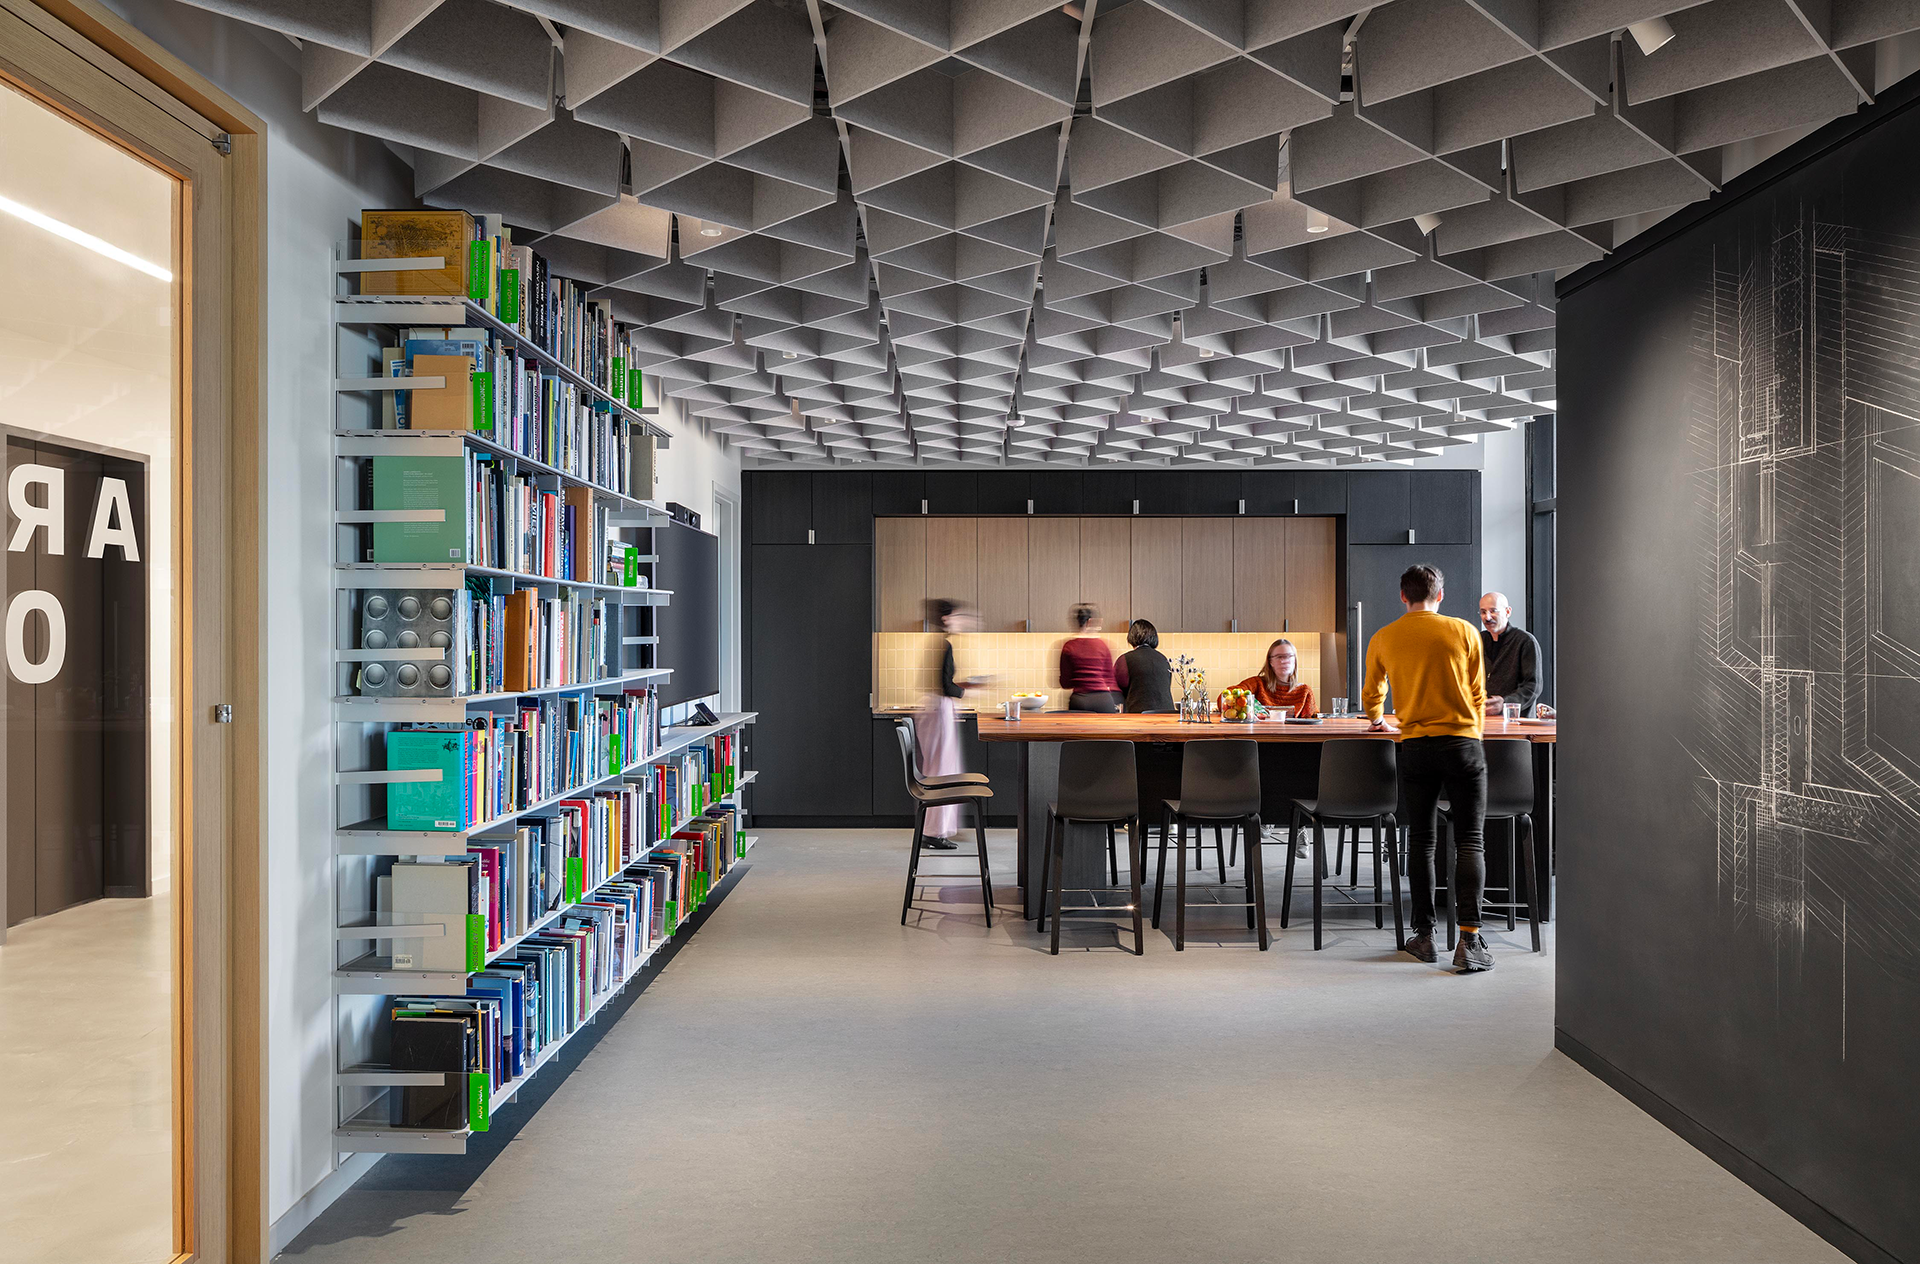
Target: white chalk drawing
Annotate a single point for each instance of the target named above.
(1805, 428)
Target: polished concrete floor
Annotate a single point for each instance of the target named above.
(86, 1090)
(810, 1081)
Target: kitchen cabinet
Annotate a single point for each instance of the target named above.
(1313, 567)
(780, 506)
(812, 679)
(1003, 559)
(1107, 491)
(843, 507)
(1003, 491)
(953, 567)
(1260, 573)
(1268, 491)
(897, 491)
(1206, 574)
(1155, 573)
(1189, 492)
(1054, 491)
(1373, 580)
(1106, 571)
(1321, 491)
(953, 492)
(1379, 507)
(1443, 507)
(1053, 572)
(900, 547)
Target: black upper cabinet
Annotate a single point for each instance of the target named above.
(1054, 491)
(1107, 492)
(1321, 492)
(953, 492)
(1269, 492)
(1445, 505)
(1189, 492)
(1379, 507)
(843, 507)
(1004, 491)
(780, 506)
(898, 492)
(1373, 580)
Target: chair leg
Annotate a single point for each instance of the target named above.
(986, 875)
(1257, 863)
(1219, 852)
(1059, 879)
(1339, 849)
(1180, 894)
(1233, 846)
(1160, 877)
(1320, 859)
(1286, 882)
(1113, 865)
(1136, 860)
(1393, 876)
(913, 862)
(1379, 834)
(1533, 879)
(1046, 868)
(1513, 875)
(1246, 870)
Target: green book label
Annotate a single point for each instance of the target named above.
(636, 388)
(476, 941)
(617, 378)
(479, 1102)
(613, 754)
(673, 916)
(575, 884)
(631, 579)
(510, 295)
(700, 885)
(732, 784)
(477, 271)
(483, 402)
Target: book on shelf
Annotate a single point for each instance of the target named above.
(427, 805)
(416, 235)
(448, 894)
(420, 482)
(426, 1040)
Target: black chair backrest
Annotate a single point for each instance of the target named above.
(1220, 777)
(903, 729)
(1509, 777)
(1097, 781)
(1359, 777)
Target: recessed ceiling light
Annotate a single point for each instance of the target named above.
(790, 355)
(709, 230)
(1651, 35)
(1206, 353)
(1316, 222)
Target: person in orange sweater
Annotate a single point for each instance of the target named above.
(1439, 680)
(1278, 684)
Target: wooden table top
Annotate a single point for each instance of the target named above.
(1061, 726)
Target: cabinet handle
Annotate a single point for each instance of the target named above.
(923, 506)
(1233, 625)
(1029, 506)
(1243, 506)
(809, 535)
(1409, 535)
(1136, 506)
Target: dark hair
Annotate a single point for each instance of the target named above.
(1273, 683)
(939, 610)
(1083, 614)
(1422, 583)
(1140, 632)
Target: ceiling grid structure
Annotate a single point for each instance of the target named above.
(1013, 232)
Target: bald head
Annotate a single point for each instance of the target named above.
(1495, 613)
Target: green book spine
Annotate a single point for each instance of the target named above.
(483, 402)
(576, 883)
(617, 378)
(732, 775)
(476, 942)
(478, 253)
(510, 296)
(631, 579)
(479, 1102)
(673, 916)
(421, 482)
(636, 388)
(613, 754)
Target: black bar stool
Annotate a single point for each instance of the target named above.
(916, 773)
(1219, 786)
(1359, 785)
(972, 794)
(1098, 786)
(1509, 800)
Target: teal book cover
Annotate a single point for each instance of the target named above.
(427, 805)
(421, 482)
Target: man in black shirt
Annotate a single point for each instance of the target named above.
(1512, 656)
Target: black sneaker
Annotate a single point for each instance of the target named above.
(1470, 956)
(1420, 948)
(940, 844)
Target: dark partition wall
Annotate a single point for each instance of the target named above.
(1739, 554)
(689, 625)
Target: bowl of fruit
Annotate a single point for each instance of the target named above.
(1030, 701)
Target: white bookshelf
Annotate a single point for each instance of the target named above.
(362, 842)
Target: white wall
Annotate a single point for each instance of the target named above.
(1503, 516)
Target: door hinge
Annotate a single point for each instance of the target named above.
(223, 713)
(224, 143)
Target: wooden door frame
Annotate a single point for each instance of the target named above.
(94, 67)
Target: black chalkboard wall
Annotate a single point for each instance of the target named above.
(1739, 865)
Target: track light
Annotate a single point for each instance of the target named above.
(1426, 223)
(1316, 222)
(1651, 35)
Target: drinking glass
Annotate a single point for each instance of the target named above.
(1339, 707)
(1509, 712)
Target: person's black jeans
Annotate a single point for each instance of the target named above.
(1457, 766)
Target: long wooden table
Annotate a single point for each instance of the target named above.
(1289, 769)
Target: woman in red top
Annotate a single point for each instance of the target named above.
(1086, 666)
(1278, 685)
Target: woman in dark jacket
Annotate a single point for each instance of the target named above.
(1143, 672)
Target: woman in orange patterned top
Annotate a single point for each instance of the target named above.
(1278, 685)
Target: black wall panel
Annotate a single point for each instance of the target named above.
(1739, 526)
(1373, 579)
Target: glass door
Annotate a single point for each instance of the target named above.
(91, 1027)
